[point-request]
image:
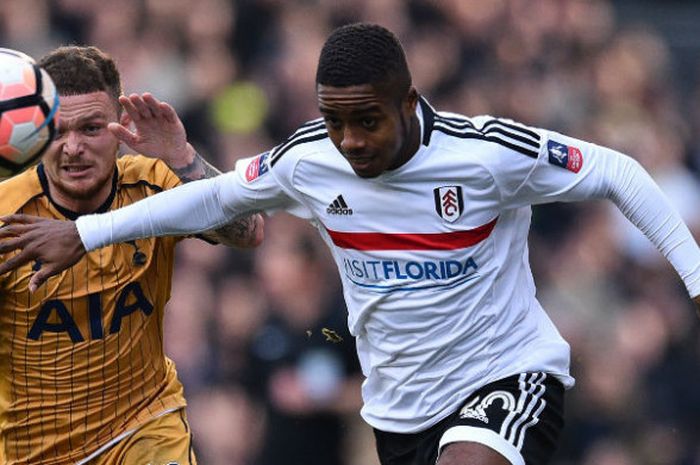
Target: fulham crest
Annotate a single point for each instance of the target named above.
(448, 202)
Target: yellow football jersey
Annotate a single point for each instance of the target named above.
(81, 359)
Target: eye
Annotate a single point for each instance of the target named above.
(369, 123)
(91, 129)
(332, 123)
(60, 132)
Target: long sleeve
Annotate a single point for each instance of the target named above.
(603, 173)
(192, 208)
(640, 199)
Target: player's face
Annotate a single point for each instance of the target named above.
(80, 162)
(373, 131)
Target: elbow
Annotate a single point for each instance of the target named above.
(246, 233)
(256, 234)
(623, 179)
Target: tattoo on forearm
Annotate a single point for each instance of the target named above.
(241, 230)
(198, 169)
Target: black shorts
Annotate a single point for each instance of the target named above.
(521, 417)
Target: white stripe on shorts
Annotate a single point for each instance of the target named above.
(484, 436)
(522, 414)
(532, 395)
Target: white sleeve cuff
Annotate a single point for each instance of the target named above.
(93, 230)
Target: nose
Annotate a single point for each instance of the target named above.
(352, 141)
(72, 143)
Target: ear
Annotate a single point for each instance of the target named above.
(411, 100)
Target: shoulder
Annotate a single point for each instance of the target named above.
(310, 138)
(503, 133)
(137, 170)
(16, 191)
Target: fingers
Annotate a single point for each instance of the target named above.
(15, 262)
(137, 109)
(22, 258)
(11, 244)
(13, 237)
(130, 108)
(153, 105)
(12, 230)
(168, 112)
(123, 134)
(31, 238)
(19, 218)
(39, 278)
(145, 106)
(9, 230)
(142, 106)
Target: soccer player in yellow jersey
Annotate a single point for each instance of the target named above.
(83, 376)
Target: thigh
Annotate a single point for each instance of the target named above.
(470, 453)
(520, 418)
(166, 440)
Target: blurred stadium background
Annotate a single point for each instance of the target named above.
(265, 385)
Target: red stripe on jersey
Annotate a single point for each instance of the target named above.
(411, 241)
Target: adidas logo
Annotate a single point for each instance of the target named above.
(339, 207)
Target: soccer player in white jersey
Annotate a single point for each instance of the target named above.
(427, 216)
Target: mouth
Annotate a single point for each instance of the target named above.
(360, 163)
(75, 171)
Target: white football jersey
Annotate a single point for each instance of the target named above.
(433, 255)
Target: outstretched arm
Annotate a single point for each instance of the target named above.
(602, 173)
(640, 199)
(159, 133)
(621, 179)
(188, 209)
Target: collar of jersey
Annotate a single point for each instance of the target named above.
(70, 214)
(426, 118)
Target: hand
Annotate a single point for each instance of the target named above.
(55, 244)
(159, 133)
(696, 300)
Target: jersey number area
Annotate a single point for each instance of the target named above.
(132, 293)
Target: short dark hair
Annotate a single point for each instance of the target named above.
(363, 53)
(77, 70)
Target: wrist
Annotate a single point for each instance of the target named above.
(182, 158)
(92, 231)
(79, 244)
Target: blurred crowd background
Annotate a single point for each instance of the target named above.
(259, 337)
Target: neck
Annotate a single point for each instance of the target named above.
(80, 202)
(411, 142)
(82, 206)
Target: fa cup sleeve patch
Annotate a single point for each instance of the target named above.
(257, 167)
(565, 156)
